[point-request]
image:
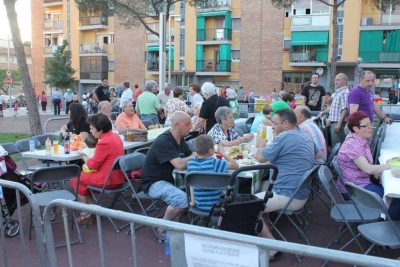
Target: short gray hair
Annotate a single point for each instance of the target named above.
(102, 105)
(150, 85)
(125, 104)
(344, 76)
(209, 89)
(167, 85)
(222, 113)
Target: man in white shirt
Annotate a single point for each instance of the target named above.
(126, 96)
(231, 94)
(163, 97)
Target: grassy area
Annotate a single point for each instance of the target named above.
(12, 138)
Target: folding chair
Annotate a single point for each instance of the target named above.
(58, 174)
(248, 123)
(210, 181)
(298, 213)
(345, 213)
(131, 162)
(12, 149)
(384, 233)
(98, 192)
(43, 137)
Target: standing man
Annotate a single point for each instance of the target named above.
(56, 98)
(241, 95)
(68, 97)
(126, 96)
(361, 98)
(231, 94)
(168, 152)
(101, 93)
(313, 94)
(163, 97)
(339, 110)
(1, 105)
(147, 105)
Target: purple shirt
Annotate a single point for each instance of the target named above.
(364, 99)
(353, 147)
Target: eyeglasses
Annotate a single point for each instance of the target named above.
(276, 122)
(366, 126)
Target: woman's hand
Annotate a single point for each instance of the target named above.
(248, 137)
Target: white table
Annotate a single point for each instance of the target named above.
(392, 141)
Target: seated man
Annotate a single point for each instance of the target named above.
(307, 125)
(292, 151)
(168, 152)
(128, 120)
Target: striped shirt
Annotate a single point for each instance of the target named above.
(312, 130)
(339, 103)
(205, 199)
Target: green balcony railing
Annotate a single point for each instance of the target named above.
(380, 57)
(213, 65)
(214, 34)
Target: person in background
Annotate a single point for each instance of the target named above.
(264, 117)
(43, 101)
(56, 99)
(112, 92)
(175, 104)
(252, 100)
(89, 151)
(147, 105)
(76, 98)
(1, 105)
(241, 95)
(231, 96)
(138, 91)
(163, 98)
(194, 91)
(281, 93)
(127, 95)
(101, 92)
(84, 102)
(128, 120)
(77, 122)
(222, 91)
(313, 94)
(274, 95)
(293, 102)
(68, 97)
(196, 112)
(15, 109)
(284, 103)
(92, 103)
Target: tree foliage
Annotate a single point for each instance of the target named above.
(58, 68)
(130, 12)
(15, 75)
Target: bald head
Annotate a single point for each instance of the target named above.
(303, 113)
(178, 116)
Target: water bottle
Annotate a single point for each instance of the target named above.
(167, 248)
(31, 145)
(48, 146)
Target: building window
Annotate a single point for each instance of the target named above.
(339, 54)
(111, 65)
(296, 77)
(236, 24)
(236, 55)
(286, 45)
(182, 42)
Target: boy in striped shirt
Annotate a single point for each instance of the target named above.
(205, 162)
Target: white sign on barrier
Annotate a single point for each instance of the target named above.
(210, 252)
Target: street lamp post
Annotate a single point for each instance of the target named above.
(8, 65)
(169, 46)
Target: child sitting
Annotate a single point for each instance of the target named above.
(89, 150)
(205, 162)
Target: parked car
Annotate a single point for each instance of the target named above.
(7, 101)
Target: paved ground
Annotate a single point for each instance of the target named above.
(150, 252)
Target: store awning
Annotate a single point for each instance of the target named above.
(310, 38)
(153, 48)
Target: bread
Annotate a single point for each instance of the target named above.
(233, 151)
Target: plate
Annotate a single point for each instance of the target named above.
(247, 162)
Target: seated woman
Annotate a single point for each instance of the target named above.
(175, 104)
(128, 119)
(355, 160)
(264, 117)
(77, 122)
(223, 131)
(108, 149)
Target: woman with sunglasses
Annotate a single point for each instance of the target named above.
(356, 161)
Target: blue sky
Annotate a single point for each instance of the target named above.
(23, 8)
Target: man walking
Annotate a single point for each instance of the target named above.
(313, 94)
(56, 98)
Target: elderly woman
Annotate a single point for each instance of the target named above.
(128, 119)
(175, 104)
(108, 149)
(77, 122)
(355, 160)
(209, 107)
(223, 132)
(264, 117)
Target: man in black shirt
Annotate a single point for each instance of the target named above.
(313, 94)
(168, 152)
(209, 106)
(101, 93)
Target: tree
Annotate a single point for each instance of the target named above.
(58, 68)
(335, 4)
(34, 118)
(130, 12)
(16, 77)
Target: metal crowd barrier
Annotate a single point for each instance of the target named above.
(41, 255)
(53, 125)
(178, 231)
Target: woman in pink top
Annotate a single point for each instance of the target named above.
(355, 160)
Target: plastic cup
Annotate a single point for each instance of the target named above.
(219, 156)
(55, 146)
(245, 154)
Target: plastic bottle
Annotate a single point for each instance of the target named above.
(48, 146)
(167, 248)
(262, 131)
(31, 145)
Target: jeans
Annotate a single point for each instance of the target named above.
(251, 105)
(56, 103)
(150, 117)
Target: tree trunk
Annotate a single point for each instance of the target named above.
(335, 44)
(34, 118)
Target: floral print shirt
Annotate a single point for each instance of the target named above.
(173, 105)
(218, 134)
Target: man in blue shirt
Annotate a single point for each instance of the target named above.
(56, 97)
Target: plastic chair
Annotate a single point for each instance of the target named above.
(131, 162)
(190, 144)
(344, 212)
(384, 233)
(43, 137)
(58, 174)
(12, 149)
(248, 123)
(210, 181)
(143, 150)
(98, 192)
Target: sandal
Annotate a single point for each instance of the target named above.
(85, 218)
(276, 257)
(161, 233)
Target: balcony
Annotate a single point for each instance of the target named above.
(93, 77)
(47, 3)
(380, 19)
(53, 26)
(308, 56)
(380, 57)
(213, 5)
(214, 36)
(153, 39)
(93, 50)
(304, 22)
(213, 67)
(153, 67)
(93, 23)
(49, 50)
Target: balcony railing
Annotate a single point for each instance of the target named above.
(152, 65)
(151, 38)
(320, 56)
(370, 19)
(51, 1)
(93, 21)
(50, 49)
(93, 48)
(53, 24)
(214, 34)
(213, 4)
(320, 20)
(93, 75)
(213, 65)
(380, 57)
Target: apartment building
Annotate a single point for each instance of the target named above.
(368, 39)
